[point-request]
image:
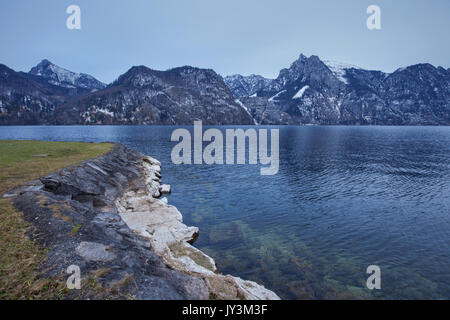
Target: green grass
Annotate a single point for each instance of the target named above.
(22, 161)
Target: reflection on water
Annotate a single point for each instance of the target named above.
(344, 198)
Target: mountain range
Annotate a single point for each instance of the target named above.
(49, 94)
(310, 91)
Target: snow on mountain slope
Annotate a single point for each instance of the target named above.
(300, 92)
(246, 110)
(277, 95)
(338, 69)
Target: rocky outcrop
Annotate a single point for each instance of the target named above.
(245, 86)
(105, 215)
(162, 224)
(265, 112)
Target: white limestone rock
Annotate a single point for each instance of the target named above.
(165, 189)
(162, 225)
(151, 160)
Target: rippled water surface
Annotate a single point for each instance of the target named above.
(344, 198)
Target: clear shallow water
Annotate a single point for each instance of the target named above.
(344, 198)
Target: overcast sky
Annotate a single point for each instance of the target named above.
(232, 36)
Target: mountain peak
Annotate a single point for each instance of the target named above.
(40, 67)
(137, 70)
(310, 70)
(302, 57)
(45, 62)
(137, 76)
(64, 78)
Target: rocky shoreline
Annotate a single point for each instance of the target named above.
(106, 215)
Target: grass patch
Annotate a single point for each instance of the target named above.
(19, 160)
(22, 161)
(76, 229)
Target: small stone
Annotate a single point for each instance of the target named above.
(165, 189)
(93, 251)
(9, 195)
(151, 161)
(165, 200)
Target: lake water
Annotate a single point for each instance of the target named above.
(344, 198)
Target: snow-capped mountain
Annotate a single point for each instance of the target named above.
(33, 97)
(312, 91)
(30, 99)
(145, 96)
(53, 95)
(64, 78)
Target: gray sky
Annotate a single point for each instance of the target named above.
(245, 36)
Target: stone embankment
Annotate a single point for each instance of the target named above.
(107, 217)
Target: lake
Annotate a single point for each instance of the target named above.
(344, 198)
